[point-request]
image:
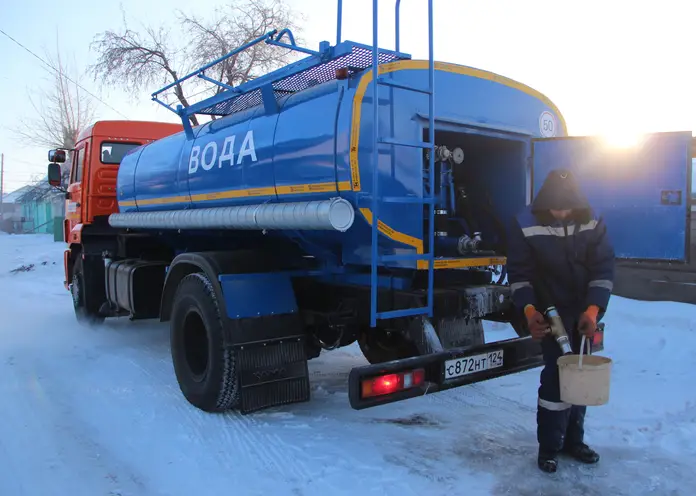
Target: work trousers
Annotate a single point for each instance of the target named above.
(559, 424)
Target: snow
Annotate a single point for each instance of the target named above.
(98, 412)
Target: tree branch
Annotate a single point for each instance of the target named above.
(136, 60)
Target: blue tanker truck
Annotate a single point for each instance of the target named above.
(353, 195)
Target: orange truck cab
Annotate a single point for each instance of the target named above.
(91, 189)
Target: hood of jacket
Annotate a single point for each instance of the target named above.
(560, 191)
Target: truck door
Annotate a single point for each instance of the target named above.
(74, 204)
(643, 191)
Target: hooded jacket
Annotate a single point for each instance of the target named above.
(572, 259)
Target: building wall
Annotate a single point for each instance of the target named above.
(39, 215)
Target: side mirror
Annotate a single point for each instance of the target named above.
(57, 156)
(54, 175)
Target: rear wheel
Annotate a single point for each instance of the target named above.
(85, 311)
(205, 369)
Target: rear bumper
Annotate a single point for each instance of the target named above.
(519, 354)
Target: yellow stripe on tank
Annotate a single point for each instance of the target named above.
(440, 263)
(355, 140)
(439, 66)
(292, 189)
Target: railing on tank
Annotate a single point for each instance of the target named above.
(272, 37)
(318, 67)
(397, 22)
(200, 72)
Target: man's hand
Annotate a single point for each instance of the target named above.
(538, 327)
(587, 324)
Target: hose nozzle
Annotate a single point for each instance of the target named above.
(558, 330)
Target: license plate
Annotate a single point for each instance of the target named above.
(472, 364)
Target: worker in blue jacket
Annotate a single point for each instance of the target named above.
(561, 243)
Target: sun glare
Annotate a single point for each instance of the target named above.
(622, 139)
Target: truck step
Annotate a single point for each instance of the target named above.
(273, 374)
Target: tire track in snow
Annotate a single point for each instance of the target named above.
(242, 436)
(286, 459)
(66, 453)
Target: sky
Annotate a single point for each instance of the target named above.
(613, 67)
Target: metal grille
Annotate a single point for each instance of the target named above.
(360, 58)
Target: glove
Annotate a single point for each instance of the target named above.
(587, 324)
(538, 327)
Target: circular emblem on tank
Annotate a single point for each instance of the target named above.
(547, 124)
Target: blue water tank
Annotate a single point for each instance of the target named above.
(319, 144)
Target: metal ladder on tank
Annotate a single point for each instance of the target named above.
(428, 197)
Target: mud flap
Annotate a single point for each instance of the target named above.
(272, 374)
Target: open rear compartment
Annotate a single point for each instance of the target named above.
(488, 183)
(478, 190)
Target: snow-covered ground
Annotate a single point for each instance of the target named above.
(98, 412)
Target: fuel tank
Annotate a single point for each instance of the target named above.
(317, 145)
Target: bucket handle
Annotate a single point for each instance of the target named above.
(582, 346)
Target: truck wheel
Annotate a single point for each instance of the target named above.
(380, 345)
(205, 369)
(85, 314)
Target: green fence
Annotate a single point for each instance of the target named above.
(40, 218)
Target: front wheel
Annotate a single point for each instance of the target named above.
(86, 312)
(205, 369)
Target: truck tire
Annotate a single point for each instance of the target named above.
(205, 369)
(86, 314)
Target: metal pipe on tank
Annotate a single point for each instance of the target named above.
(335, 214)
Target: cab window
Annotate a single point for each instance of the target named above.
(78, 166)
(113, 153)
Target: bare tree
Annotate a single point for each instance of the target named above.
(234, 26)
(137, 60)
(61, 112)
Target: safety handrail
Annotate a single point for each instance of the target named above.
(200, 72)
(397, 10)
(397, 23)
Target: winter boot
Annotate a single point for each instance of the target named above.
(582, 453)
(547, 461)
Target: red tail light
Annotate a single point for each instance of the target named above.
(391, 383)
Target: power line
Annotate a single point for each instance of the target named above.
(63, 75)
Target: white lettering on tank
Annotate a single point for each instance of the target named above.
(248, 148)
(195, 152)
(227, 151)
(204, 163)
(208, 160)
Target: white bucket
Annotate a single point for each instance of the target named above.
(584, 379)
